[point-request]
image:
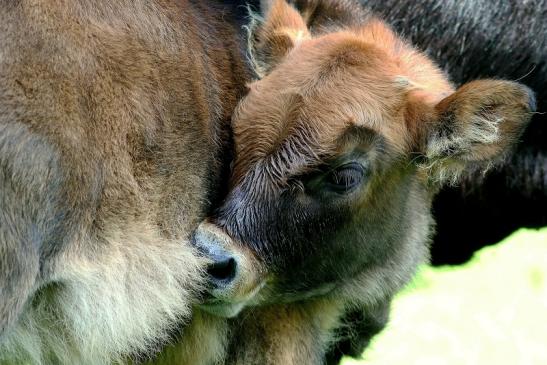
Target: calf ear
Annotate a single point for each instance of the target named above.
(275, 34)
(476, 126)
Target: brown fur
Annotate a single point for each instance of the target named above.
(114, 116)
(284, 334)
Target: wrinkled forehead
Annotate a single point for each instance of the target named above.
(315, 95)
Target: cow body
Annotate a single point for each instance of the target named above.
(113, 121)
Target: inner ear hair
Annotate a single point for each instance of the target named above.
(453, 138)
(476, 127)
(322, 16)
(270, 37)
(452, 148)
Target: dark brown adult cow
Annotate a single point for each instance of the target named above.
(113, 116)
(339, 150)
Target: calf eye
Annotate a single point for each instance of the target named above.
(345, 178)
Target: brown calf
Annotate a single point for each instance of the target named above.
(339, 149)
(113, 117)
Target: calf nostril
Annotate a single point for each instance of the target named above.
(223, 269)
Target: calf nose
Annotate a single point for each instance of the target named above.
(233, 273)
(222, 270)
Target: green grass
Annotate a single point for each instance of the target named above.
(491, 311)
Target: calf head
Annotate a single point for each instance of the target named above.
(339, 148)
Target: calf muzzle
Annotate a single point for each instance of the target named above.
(233, 273)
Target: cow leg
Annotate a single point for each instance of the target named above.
(357, 329)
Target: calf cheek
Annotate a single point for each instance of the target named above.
(290, 237)
(307, 243)
(309, 246)
(310, 257)
(386, 227)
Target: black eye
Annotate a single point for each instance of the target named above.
(345, 178)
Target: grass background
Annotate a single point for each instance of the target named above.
(490, 311)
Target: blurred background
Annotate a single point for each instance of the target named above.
(490, 310)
